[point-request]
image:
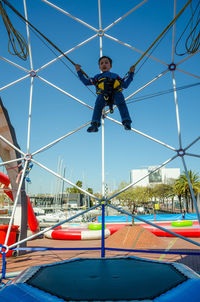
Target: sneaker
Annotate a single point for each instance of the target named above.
(93, 128)
(127, 125)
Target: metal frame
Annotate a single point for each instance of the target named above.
(99, 33)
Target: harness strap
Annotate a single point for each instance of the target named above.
(109, 102)
(108, 85)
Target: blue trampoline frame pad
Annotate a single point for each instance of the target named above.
(105, 279)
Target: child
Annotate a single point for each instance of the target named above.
(109, 86)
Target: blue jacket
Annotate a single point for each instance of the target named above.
(92, 81)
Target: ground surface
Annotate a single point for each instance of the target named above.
(126, 238)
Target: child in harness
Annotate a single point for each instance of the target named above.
(108, 88)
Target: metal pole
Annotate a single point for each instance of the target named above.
(143, 134)
(103, 160)
(177, 110)
(14, 64)
(125, 15)
(102, 119)
(66, 180)
(66, 52)
(173, 33)
(192, 143)
(15, 203)
(133, 48)
(10, 161)
(69, 15)
(12, 146)
(29, 116)
(103, 230)
(28, 36)
(60, 181)
(66, 93)
(17, 81)
(59, 139)
(102, 147)
(63, 183)
(147, 84)
(134, 183)
(57, 180)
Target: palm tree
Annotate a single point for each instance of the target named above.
(182, 187)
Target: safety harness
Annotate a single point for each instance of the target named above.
(107, 87)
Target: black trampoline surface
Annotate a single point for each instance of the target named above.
(107, 279)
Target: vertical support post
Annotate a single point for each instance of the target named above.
(31, 88)
(103, 159)
(57, 182)
(3, 271)
(28, 36)
(100, 28)
(29, 116)
(63, 184)
(103, 196)
(60, 183)
(15, 203)
(102, 119)
(173, 33)
(103, 230)
(177, 111)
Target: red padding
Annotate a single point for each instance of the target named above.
(32, 220)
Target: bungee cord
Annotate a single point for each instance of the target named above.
(60, 51)
(163, 32)
(41, 34)
(192, 42)
(46, 42)
(55, 54)
(16, 40)
(24, 48)
(152, 47)
(149, 96)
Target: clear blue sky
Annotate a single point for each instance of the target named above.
(54, 114)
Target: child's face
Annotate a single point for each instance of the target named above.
(104, 65)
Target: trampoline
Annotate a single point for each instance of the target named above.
(105, 279)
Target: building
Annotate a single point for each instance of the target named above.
(69, 200)
(146, 177)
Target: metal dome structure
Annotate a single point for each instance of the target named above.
(43, 90)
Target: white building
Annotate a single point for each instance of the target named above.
(146, 177)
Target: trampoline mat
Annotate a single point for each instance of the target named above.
(107, 279)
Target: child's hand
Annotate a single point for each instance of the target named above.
(132, 68)
(78, 67)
